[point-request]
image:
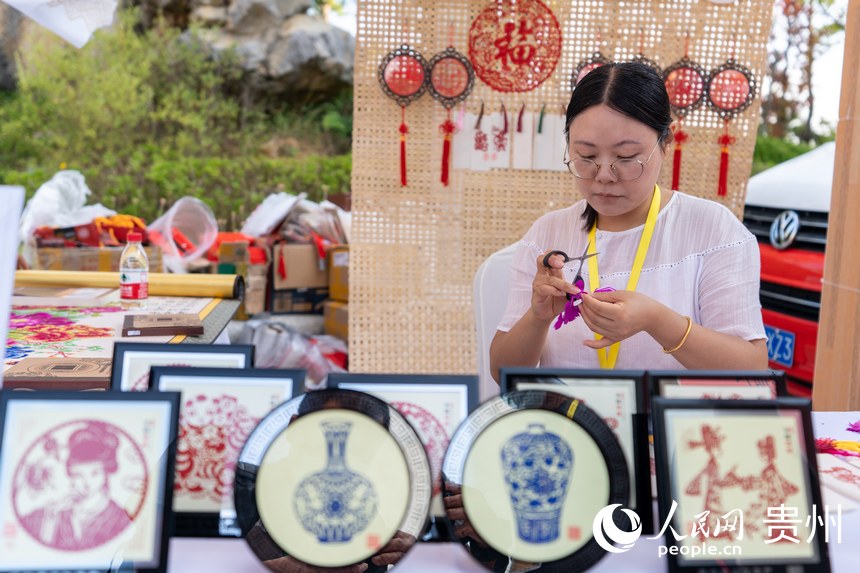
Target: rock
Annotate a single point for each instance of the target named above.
(210, 16)
(251, 50)
(311, 55)
(251, 16)
(11, 22)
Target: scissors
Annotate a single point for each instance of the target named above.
(582, 258)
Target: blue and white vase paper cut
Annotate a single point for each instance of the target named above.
(537, 466)
(336, 503)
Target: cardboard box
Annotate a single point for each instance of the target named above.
(298, 267)
(338, 273)
(255, 290)
(298, 301)
(336, 319)
(104, 259)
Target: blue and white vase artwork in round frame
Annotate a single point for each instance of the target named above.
(336, 503)
(537, 465)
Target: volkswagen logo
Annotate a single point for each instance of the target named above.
(783, 230)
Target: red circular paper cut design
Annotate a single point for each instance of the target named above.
(587, 70)
(515, 45)
(211, 434)
(449, 77)
(729, 90)
(79, 485)
(432, 434)
(404, 75)
(685, 87)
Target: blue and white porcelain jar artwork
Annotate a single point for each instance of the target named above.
(336, 503)
(537, 466)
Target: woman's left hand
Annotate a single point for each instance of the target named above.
(616, 315)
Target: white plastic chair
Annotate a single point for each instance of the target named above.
(490, 294)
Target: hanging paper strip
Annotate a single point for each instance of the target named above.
(451, 81)
(515, 45)
(403, 77)
(730, 91)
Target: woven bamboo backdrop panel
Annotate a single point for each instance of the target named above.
(415, 249)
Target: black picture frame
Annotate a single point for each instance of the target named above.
(221, 523)
(659, 381)
(119, 407)
(123, 351)
(515, 379)
(409, 381)
(377, 384)
(667, 412)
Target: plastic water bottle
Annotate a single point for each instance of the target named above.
(133, 273)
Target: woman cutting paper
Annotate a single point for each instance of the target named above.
(678, 276)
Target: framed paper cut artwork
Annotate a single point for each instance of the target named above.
(331, 479)
(219, 408)
(718, 384)
(85, 480)
(617, 396)
(434, 405)
(132, 360)
(528, 474)
(738, 482)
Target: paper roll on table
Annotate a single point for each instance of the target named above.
(160, 284)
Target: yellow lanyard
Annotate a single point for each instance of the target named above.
(608, 357)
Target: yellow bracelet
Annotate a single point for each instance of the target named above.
(683, 340)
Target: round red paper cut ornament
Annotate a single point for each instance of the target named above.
(515, 45)
(403, 74)
(585, 67)
(730, 89)
(685, 83)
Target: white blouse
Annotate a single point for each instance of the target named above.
(702, 263)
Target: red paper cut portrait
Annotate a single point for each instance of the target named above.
(432, 435)
(80, 485)
(515, 45)
(212, 431)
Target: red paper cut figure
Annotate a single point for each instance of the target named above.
(211, 434)
(843, 475)
(714, 483)
(774, 490)
(432, 434)
(88, 515)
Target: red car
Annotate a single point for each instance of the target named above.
(787, 208)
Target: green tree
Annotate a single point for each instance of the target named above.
(802, 31)
(153, 116)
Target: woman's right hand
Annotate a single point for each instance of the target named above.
(549, 289)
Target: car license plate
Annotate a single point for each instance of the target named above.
(780, 346)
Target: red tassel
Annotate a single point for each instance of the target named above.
(282, 267)
(403, 160)
(723, 187)
(725, 140)
(676, 168)
(448, 128)
(446, 159)
(403, 131)
(680, 138)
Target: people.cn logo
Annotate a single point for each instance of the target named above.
(611, 537)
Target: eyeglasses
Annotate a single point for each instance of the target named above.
(624, 169)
